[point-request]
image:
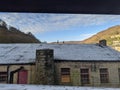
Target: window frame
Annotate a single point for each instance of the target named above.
(85, 76)
(104, 75)
(65, 74)
(3, 77)
(119, 74)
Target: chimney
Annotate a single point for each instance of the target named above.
(103, 42)
(44, 66)
(57, 41)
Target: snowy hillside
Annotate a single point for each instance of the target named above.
(41, 87)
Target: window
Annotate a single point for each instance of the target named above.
(119, 74)
(3, 76)
(104, 75)
(65, 75)
(84, 76)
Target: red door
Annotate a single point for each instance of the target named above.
(22, 77)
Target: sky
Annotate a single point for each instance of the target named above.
(51, 27)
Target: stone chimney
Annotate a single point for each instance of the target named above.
(44, 67)
(103, 42)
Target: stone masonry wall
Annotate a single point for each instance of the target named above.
(94, 74)
(29, 68)
(44, 67)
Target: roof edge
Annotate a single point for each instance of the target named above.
(58, 60)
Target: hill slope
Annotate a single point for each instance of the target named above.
(13, 35)
(111, 34)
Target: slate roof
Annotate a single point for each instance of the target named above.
(26, 53)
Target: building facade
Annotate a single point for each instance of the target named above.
(60, 64)
(17, 73)
(88, 73)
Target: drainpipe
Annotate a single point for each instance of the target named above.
(8, 74)
(12, 74)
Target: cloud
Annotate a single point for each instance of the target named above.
(43, 22)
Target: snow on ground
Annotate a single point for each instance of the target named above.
(47, 87)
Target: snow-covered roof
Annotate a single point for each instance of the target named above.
(26, 53)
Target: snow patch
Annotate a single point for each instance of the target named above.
(47, 87)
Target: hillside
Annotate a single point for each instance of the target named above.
(13, 35)
(112, 35)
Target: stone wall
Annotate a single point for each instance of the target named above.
(29, 68)
(44, 67)
(94, 74)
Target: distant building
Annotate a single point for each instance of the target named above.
(115, 36)
(116, 48)
(116, 45)
(61, 64)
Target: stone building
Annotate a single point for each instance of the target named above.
(60, 64)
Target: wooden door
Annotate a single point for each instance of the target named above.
(22, 77)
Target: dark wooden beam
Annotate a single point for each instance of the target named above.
(62, 6)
